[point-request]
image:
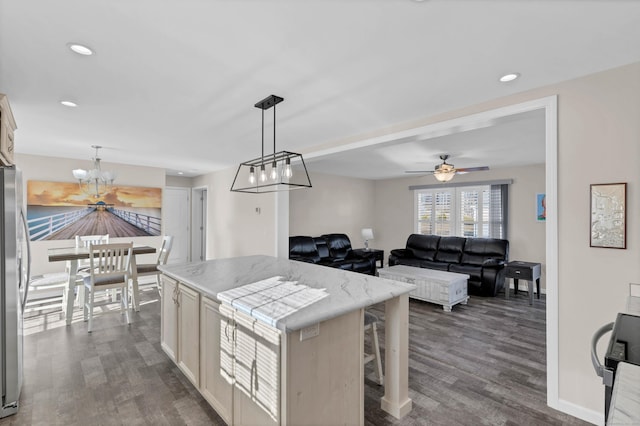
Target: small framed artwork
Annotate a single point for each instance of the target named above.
(609, 215)
(541, 207)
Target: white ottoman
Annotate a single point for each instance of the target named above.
(441, 287)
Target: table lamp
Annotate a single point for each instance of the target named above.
(367, 234)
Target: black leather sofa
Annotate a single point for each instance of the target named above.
(332, 250)
(483, 259)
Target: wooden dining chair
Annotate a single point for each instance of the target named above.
(110, 266)
(149, 269)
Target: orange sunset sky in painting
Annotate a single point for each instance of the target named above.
(69, 194)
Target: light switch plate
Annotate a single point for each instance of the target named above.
(309, 332)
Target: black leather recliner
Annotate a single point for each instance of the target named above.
(333, 250)
(483, 259)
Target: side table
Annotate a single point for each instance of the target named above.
(377, 254)
(528, 271)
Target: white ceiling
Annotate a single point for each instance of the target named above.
(510, 141)
(173, 82)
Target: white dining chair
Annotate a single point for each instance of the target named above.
(151, 269)
(83, 264)
(110, 266)
(85, 241)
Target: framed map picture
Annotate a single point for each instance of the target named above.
(609, 215)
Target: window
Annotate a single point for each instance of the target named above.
(464, 211)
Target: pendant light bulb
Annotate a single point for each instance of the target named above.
(287, 172)
(252, 175)
(274, 171)
(263, 174)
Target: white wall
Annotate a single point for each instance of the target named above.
(597, 125)
(334, 204)
(179, 181)
(59, 170)
(238, 224)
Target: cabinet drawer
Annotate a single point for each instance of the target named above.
(517, 272)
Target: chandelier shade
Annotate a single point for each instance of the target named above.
(280, 171)
(95, 182)
(444, 172)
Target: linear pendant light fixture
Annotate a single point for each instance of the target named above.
(271, 172)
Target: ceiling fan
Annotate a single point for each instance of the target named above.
(444, 172)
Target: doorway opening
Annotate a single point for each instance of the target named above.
(199, 224)
(479, 120)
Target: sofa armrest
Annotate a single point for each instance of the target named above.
(402, 252)
(493, 263)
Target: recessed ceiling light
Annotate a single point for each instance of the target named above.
(509, 77)
(69, 104)
(180, 173)
(80, 49)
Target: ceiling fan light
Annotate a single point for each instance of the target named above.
(445, 168)
(444, 176)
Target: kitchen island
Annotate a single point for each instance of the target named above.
(301, 363)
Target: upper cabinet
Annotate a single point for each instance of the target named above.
(7, 127)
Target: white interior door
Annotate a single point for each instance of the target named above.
(175, 207)
(199, 224)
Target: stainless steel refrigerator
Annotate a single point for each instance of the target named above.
(14, 285)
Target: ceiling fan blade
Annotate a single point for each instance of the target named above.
(472, 169)
(419, 171)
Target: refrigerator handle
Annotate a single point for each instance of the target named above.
(601, 370)
(28, 242)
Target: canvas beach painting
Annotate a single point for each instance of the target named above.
(61, 210)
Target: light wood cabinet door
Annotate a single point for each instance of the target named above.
(189, 333)
(256, 396)
(216, 358)
(169, 318)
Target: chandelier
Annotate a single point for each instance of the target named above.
(271, 172)
(95, 182)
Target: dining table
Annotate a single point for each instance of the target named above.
(72, 255)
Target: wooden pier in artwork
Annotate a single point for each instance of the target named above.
(96, 221)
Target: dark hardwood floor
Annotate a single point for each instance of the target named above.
(482, 364)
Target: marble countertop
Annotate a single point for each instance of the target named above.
(346, 290)
(625, 400)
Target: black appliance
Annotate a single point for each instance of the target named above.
(624, 346)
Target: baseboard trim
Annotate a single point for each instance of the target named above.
(594, 417)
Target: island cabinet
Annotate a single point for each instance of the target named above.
(255, 369)
(255, 374)
(216, 358)
(180, 327)
(278, 357)
(169, 317)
